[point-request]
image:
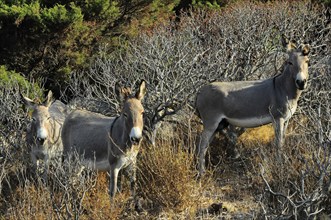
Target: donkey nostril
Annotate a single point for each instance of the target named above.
(135, 139)
(41, 140)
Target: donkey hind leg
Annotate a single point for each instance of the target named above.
(222, 125)
(233, 133)
(119, 181)
(207, 136)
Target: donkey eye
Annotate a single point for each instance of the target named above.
(290, 63)
(48, 118)
(125, 115)
(33, 119)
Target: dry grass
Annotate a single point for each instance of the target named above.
(167, 182)
(167, 176)
(97, 202)
(263, 135)
(169, 188)
(31, 202)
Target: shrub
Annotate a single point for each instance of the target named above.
(167, 175)
(241, 42)
(11, 79)
(44, 38)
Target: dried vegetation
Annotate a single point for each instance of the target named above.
(240, 42)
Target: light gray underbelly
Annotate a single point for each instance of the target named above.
(250, 122)
(101, 165)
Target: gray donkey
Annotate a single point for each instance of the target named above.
(44, 132)
(253, 103)
(108, 143)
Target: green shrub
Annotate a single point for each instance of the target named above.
(11, 79)
(210, 4)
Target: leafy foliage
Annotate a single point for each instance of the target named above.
(11, 79)
(49, 40)
(210, 4)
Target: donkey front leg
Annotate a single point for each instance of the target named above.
(279, 137)
(131, 173)
(40, 167)
(114, 171)
(279, 127)
(46, 166)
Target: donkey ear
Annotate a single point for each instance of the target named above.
(117, 89)
(125, 92)
(49, 99)
(141, 91)
(122, 93)
(284, 40)
(305, 49)
(289, 45)
(29, 103)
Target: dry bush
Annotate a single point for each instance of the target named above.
(167, 176)
(23, 195)
(301, 187)
(70, 193)
(241, 42)
(30, 202)
(14, 156)
(97, 203)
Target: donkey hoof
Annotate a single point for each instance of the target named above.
(233, 153)
(235, 156)
(138, 205)
(200, 175)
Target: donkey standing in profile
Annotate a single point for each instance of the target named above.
(44, 132)
(253, 103)
(108, 143)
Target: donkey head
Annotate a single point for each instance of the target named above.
(297, 64)
(41, 126)
(132, 111)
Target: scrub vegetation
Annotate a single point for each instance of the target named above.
(82, 48)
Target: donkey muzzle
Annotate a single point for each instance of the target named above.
(301, 84)
(135, 135)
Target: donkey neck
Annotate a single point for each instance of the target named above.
(286, 85)
(118, 132)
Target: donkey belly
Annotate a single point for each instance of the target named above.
(250, 122)
(100, 164)
(94, 153)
